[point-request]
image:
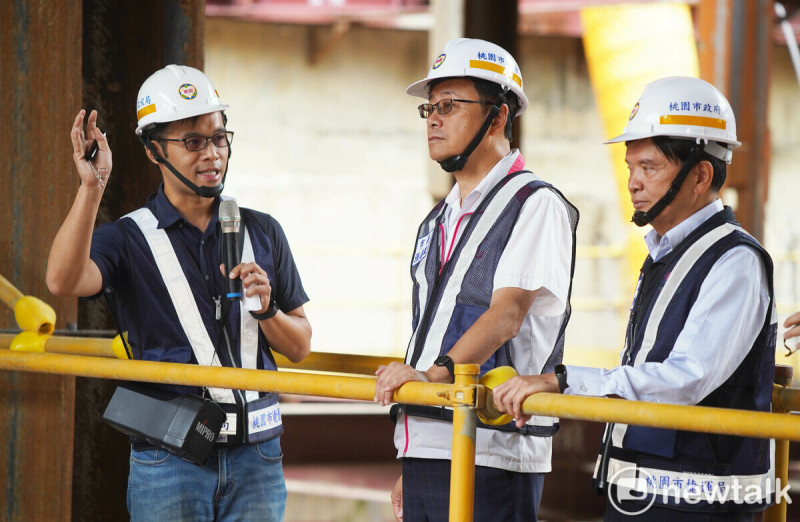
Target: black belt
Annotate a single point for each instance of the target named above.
(444, 414)
(143, 445)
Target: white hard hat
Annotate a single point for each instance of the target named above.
(174, 93)
(683, 107)
(469, 57)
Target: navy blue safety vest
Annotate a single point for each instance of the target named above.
(448, 299)
(712, 471)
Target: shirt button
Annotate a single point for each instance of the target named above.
(206, 277)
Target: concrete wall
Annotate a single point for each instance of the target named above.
(335, 151)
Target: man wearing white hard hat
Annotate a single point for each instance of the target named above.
(160, 270)
(492, 271)
(702, 327)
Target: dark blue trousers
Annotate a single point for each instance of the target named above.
(502, 496)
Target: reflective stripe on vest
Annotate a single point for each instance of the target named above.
(186, 308)
(688, 488)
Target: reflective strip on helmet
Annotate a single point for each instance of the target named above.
(489, 66)
(701, 121)
(144, 111)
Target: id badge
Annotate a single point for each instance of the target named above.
(228, 428)
(263, 418)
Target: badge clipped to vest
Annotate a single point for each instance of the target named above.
(421, 250)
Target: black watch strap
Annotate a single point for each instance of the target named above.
(447, 362)
(561, 375)
(272, 310)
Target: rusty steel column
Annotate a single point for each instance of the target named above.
(57, 57)
(735, 51)
(123, 44)
(40, 83)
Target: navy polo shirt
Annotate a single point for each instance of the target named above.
(140, 302)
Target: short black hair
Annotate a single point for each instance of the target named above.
(677, 150)
(159, 130)
(488, 92)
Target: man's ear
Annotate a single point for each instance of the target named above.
(499, 121)
(150, 154)
(705, 175)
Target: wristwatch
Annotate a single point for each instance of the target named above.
(272, 310)
(447, 362)
(561, 375)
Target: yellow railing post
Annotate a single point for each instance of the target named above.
(777, 512)
(462, 466)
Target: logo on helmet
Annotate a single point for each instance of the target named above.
(634, 111)
(187, 91)
(439, 61)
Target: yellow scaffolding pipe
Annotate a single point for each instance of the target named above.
(104, 347)
(744, 423)
(782, 402)
(362, 388)
(466, 396)
(462, 463)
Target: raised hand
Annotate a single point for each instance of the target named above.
(93, 171)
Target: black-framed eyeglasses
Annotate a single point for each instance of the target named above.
(442, 106)
(220, 140)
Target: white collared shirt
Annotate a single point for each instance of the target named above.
(721, 327)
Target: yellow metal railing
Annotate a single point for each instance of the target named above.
(466, 396)
(105, 347)
(101, 358)
(343, 387)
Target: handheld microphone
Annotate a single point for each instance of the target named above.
(229, 219)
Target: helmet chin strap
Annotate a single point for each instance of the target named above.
(454, 163)
(205, 192)
(643, 218)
